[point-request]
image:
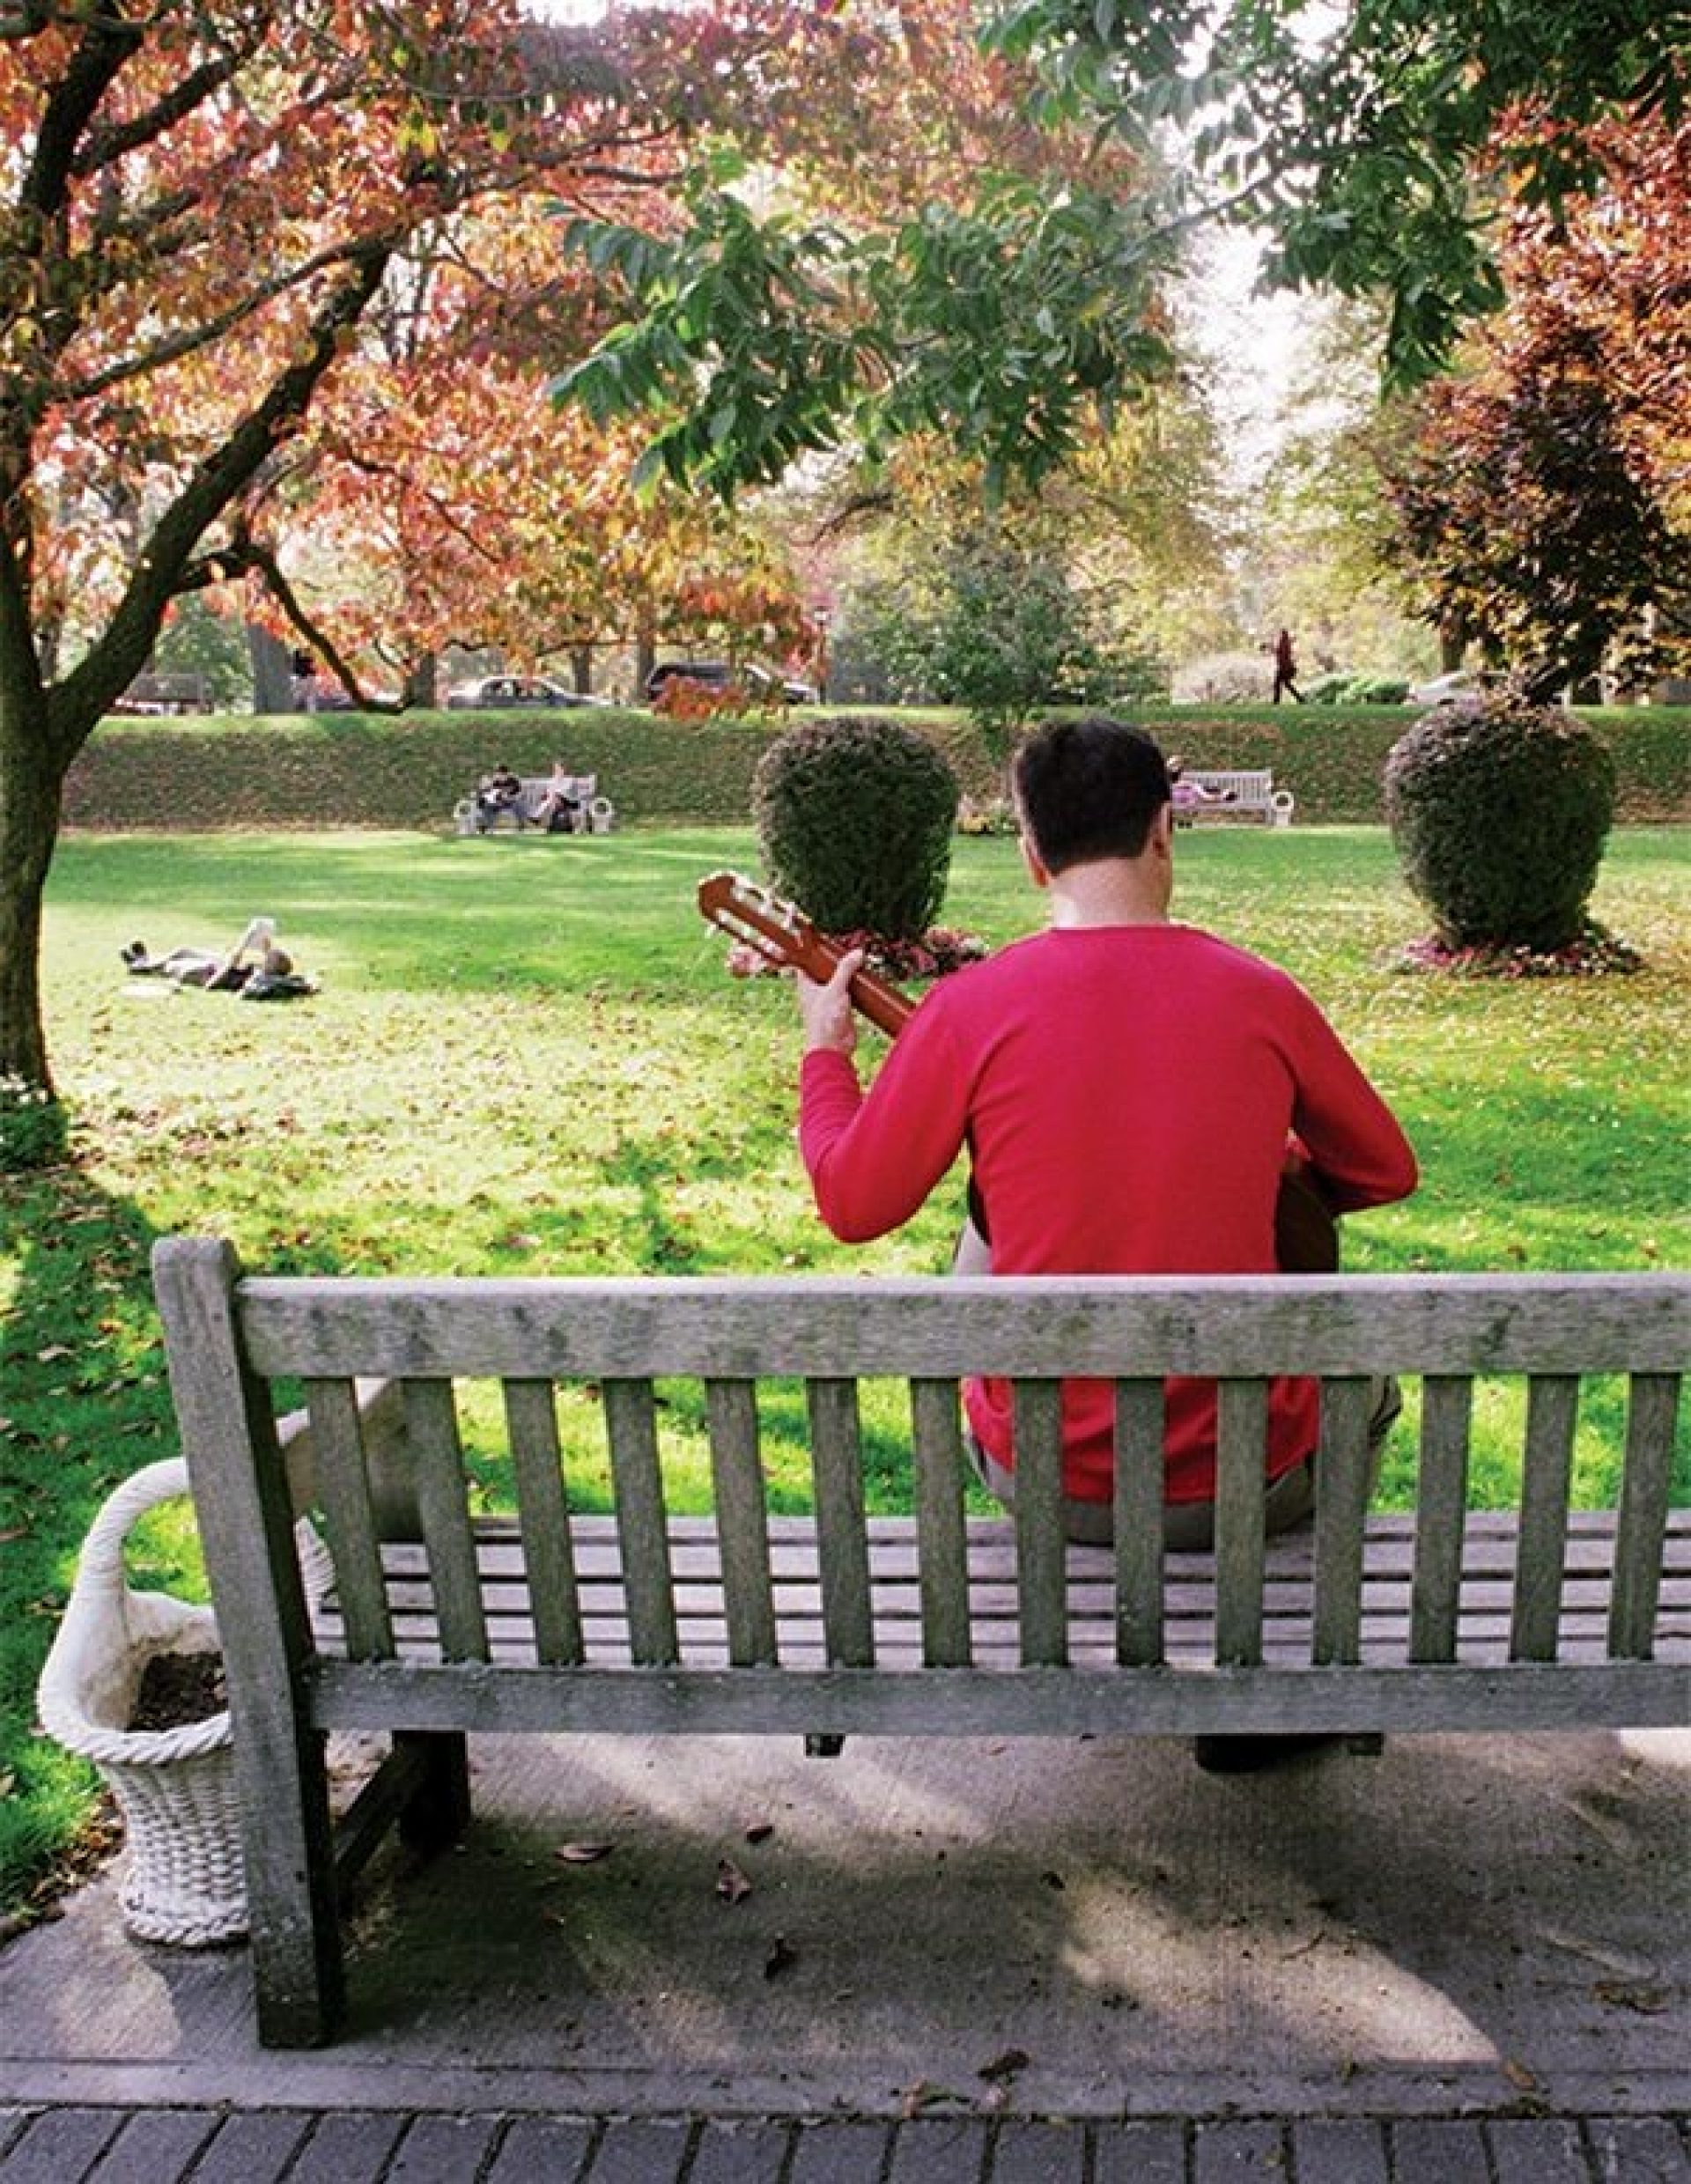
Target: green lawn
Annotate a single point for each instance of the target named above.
(526, 1057)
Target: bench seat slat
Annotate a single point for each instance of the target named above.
(1387, 1625)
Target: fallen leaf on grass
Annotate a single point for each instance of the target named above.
(583, 1853)
(780, 1958)
(732, 1885)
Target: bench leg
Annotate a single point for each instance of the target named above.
(436, 1813)
(293, 1907)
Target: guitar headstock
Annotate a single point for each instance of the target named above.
(776, 929)
(782, 934)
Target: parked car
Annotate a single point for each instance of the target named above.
(718, 674)
(1462, 683)
(518, 690)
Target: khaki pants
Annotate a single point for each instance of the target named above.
(1188, 1527)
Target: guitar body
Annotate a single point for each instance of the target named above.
(1306, 1234)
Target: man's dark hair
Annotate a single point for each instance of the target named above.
(1086, 789)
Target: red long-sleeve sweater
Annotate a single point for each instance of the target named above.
(1128, 1091)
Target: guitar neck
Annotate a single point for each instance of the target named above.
(887, 1008)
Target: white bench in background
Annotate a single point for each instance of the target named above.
(597, 813)
(1239, 793)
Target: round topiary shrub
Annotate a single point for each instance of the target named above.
(1499, 810)
(855, 817)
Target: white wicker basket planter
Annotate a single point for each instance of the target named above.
(175, 1787)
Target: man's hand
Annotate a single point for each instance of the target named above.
(829, 1019)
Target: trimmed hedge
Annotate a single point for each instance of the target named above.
(345, 770)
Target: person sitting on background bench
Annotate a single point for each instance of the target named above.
(1184, 792)
(495, 793)
(560, 808)
(1127, 1086)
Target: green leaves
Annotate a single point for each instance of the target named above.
(1003, 325)
(1362, 142)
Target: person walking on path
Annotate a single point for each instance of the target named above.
(1286, 668)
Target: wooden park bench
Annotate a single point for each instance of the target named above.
(939, 1623)
(1239, 795)
(597, 813)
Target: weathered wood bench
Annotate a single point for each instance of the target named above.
(1227, 796)
(597, 813)
(941, 1623)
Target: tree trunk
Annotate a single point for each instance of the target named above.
(581, 668)
(272, 673)
(31, 788)
(423, 682)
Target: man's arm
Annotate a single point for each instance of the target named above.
(1354, 1141)
(873, 1158)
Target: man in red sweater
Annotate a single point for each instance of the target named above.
(1126, 1086)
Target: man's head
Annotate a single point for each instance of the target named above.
(1087, 789)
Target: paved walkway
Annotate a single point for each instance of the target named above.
(113, 2146)
(1025, 1962)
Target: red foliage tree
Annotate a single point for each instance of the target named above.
(1542, 501)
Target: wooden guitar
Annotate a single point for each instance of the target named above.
(1306, 1234)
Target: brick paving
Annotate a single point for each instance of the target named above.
(191, 2145)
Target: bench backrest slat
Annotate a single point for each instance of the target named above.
(531, 1423)
(742, 1521)
(1242, 1423)
(1441, 1500)
(936, 1453)
(1547, 1478)
(1041, 1566)
(642, 1534)
(843, 1551)
(1233, 1325)
(343, 1487)
(1642, 1521)
(443, 1504)
(1343, 1464)
(1139, 1522)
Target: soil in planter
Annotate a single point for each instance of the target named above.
(177, 1688)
